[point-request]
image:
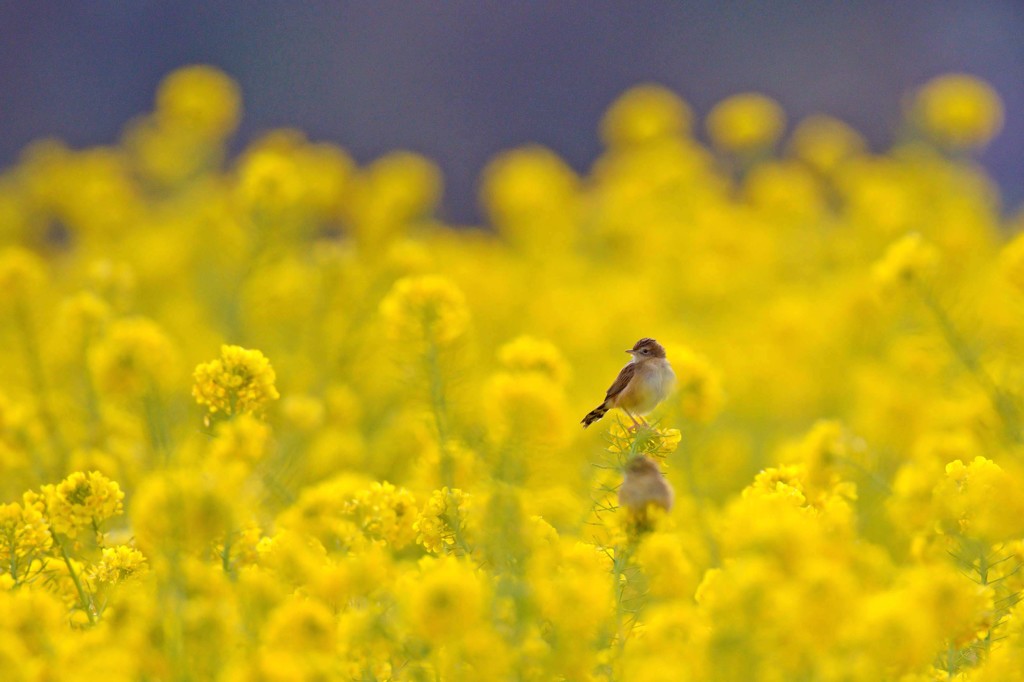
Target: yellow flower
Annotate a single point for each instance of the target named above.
(241, 380)
(305, 412)
(529, 194)
(301, 625)
(958, 111)
(644, 441)
(981, 500)
(824, 143)
(24, 537)
(80, 502)
(526, 409)
(645, 114)
(526, 353)
(907, 260)
(427, 309)
(1011, 259)
(384, 513)
(745, 124)
(243, 439)
(269, 181)
(200, 98)
(175, 511)
(289, 187)
(22, 274)
(80, 318)
(698, 387)
(670, 573)
(394, 192)
(443, 521)
(446, 601)
(118, 564)
(134, 356)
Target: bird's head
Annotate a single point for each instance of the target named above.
(646, 348)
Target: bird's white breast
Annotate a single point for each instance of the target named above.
(656, 380)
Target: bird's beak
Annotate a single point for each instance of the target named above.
(631, 351)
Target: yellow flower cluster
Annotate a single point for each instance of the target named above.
(427, 309)
(386, 478)
(240, 381)
(79, 502)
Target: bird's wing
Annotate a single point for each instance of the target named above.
(621, 381)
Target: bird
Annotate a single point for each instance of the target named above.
(644, 382)
(643, 485)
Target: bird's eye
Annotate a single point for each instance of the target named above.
(645, 351)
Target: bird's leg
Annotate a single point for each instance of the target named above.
(636, 424)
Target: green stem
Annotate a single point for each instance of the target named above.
(38, 378)
(12, 560)
(970, 360)
(83, 598)
(225, 554)
(156, 425)
(983, 567)
(92, 402)
(620, 582)
(440, 409)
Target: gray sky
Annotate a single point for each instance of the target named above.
(460, 80)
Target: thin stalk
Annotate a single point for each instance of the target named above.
(983, 567)
(439, 408)
(619, 565)
(92, 401)
(83, 598)
(39, 385)
(156, 424)
(970, 360)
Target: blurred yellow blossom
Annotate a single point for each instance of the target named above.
(394, 193)
(529, 194)
(444, 516)
(22, 273)
(645, 113)
(176, 511)
(981, 499)
(446, 600)
(202, 98)
(132, 357)
(530, 354)
(698, 386)
(824, 143)
(1012, 261)
(958, 111)
(243, 439)
(907, 260)
(746, 123)
(426, 309)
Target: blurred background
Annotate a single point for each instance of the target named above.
(461, 80)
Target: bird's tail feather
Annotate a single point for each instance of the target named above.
(594, 415)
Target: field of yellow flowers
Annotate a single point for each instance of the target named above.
(267, 418)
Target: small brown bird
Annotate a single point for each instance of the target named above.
(643, 383)
(644, 485)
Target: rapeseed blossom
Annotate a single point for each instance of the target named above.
(240, 381)
(375, 469)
